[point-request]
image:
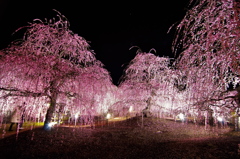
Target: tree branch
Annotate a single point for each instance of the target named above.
(24, 93)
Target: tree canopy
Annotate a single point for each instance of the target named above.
(51, 61)
(208, 39)
(52, 69)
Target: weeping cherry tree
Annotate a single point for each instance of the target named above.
(208, 39)
(146, 78)
(48, 62)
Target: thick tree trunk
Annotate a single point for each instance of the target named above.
(210, 117)
(50, 111)
(146, 112)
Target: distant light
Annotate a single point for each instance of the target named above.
(181, 116)
(76, 116)
(220, 119)
(108, 116)
(130, 109)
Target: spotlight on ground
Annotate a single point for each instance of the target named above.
(52, 124)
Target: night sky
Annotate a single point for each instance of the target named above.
(111, 28)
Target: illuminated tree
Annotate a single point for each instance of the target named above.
(208, 39)
(50, 63)
(146, 79)
(96, 93)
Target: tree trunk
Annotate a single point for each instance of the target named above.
(210, 117)
(146, 112)
(50, 111)
(237, 123)
(237, 110)
(237, 119)
(206, 120)
(149, 103)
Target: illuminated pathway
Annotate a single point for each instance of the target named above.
(5, 133)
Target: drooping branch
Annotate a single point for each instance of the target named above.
(18, 92)
(207, 41)
(227, 101)
(54, 62)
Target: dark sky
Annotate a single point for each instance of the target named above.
(111, 28)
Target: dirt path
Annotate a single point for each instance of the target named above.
(126, 139)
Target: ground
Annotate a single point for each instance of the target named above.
(132, 138)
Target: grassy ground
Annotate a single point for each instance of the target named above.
(27, 126)
(132, 138)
